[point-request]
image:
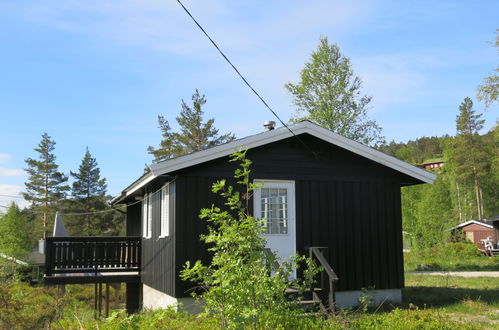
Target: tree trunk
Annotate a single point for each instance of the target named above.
(459, 203)
(45, 209)
(477, 192)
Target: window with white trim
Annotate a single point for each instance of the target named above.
(147, 216)
(165, 211)
(274, 208)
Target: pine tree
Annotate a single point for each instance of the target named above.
(468, 156)
(195, 135)
(88, 192)
(45, 186)
(330, 94)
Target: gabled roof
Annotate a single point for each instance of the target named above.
(267, 137)
(464, 224)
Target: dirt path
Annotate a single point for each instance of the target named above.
(462, 274)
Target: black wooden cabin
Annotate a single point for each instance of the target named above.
(335, 194)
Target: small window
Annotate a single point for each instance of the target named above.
(165, 211)
(274, 208)
(469, 236)
(146, 216)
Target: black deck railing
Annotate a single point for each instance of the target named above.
(92, 255)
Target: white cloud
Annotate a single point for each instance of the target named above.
(4, 157)
(10, 172)
(8, 190)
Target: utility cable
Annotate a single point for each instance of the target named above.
(242, 77)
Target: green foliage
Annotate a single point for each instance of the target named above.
(433, 302)
(238, 288)
(462, 256)
(88, 192)
(87, 181)
(195, 135)
(467, 157)
(408, 319)
(14, 235)
(471, 169)
(22, 307)
(489, 90)
(416, 151)
(46, 185)
(330, 94)
(434, 214)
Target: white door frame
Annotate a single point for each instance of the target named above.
(283, 244)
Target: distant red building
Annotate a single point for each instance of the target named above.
(432, 164)
(474, 231)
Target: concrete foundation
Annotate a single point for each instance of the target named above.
(154, 299)
(346, 299)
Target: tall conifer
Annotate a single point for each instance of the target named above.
(89, 195)
(468, 156)
(46, 185)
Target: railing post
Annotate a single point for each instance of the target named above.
(330, 296)
(48, 257)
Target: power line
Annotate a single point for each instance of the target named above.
(104, 211)
(242, 77)
(13, 196)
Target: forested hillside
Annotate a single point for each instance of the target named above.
(429, 210)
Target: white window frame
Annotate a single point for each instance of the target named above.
(147, 216)
(165, 211)
(290, 186)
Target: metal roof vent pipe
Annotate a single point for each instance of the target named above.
(269, 125)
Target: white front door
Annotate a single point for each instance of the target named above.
(275, 201)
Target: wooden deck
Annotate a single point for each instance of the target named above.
(71, 260)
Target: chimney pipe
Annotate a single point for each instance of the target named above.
(269, 125)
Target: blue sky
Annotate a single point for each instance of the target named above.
(97, 73)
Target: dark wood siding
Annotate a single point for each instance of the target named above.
(133, 220)
(343, 201)
(356, 221)
(158, 263)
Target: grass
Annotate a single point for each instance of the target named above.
(429, 302)
(471, 299)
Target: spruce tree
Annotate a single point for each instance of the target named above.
(46, 185)
(195, 135)
(88, 196)
(87, 181)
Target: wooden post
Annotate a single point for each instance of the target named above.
(48, 257)
(107, 299)
(100, 299)
(95, 300)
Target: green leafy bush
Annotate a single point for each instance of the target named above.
(238, 288)
(23, 307)
(462, 249)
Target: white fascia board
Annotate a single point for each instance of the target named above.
(219, 151)
(283, 133)
(372, 154)
(134, 187)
